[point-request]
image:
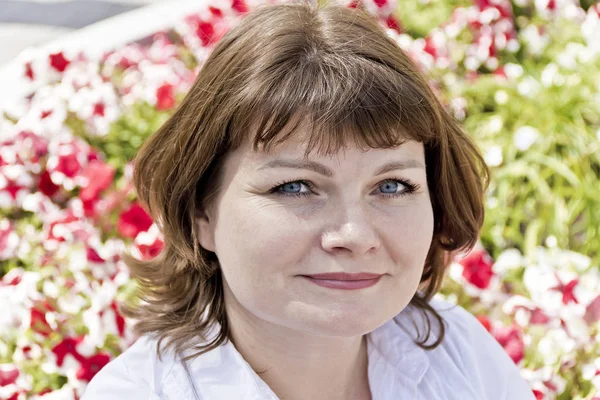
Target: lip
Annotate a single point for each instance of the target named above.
(344, 276)
(344, 281)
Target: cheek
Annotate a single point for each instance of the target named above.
(409, 236)
(259, 237)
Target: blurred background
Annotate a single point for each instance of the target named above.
(25, 23)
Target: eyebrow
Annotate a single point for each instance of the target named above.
(323, 170)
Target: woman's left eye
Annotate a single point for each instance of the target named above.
(397, 187)
(387, 188)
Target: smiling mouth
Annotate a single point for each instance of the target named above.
(344, 281)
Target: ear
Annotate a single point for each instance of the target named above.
(206, 231)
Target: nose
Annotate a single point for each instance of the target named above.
(353, 235)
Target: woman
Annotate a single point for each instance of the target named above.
(309, 189)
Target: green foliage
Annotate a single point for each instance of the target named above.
(551, 188)
(418, 18)
(126, 134)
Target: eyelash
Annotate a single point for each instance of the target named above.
(410, 188)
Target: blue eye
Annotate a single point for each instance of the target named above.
(392, 188)
(293, 188)
(389, 187)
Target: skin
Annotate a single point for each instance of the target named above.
(308, 341)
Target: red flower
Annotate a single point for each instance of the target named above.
(239, 6)
(205, 32)
(46, 186)
(12, 187)
(477, 268)
(29, 71)
(592, 312)
(566, 290)
(151, 251)
(500, 73)
(99, 176)
(66, 220)
(119, 318)
(485, 321)
(16, 395)
(59, 62)
(8, 376)
(511, 340)
(99, 109)
(91, 366)
(12, 277)
(34, 147)
(215, 11)
(38, 322)
(429, 47)
(165, 98)
(538, 317)
(4, 235)
(67, 346)
(133, 221)
(392, 23)
(68, 164)
(93, 256)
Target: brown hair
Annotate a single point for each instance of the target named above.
(338, 68)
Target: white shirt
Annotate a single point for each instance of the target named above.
(469, 365)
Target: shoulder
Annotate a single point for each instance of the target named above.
(135, 374)
(471, 348)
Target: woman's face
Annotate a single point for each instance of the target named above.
(279, 218)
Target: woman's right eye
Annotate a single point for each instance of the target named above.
(293, 188)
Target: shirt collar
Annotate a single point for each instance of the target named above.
(396, 367)
(396, 364)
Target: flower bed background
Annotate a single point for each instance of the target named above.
(523, 76)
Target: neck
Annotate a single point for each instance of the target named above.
(301, 365)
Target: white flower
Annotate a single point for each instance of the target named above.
(551, 241)
(551, 76)
(554, 344)
(590, 30)
(538, 279)
(501, 97)
(455, 272)
(524, 137)
(491, 202)
(495, 124)
(517, 301)
(493, 156)
(103, 295)
(96, 335)
(589, 370)
(471, 63)
(528, 87)
(508, 260)
(71, 303)
(578, 329)
(513, 45)
(536, 43)
(64, 393)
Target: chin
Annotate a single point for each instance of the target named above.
(346, 324)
